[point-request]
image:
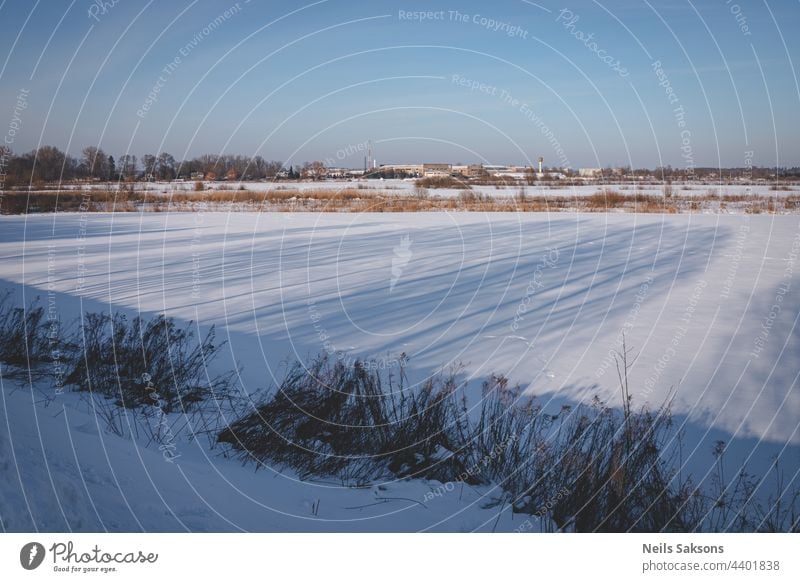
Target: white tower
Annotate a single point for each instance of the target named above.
(541, 159)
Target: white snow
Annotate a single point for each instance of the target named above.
(708, 304)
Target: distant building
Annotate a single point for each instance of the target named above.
(410, 169)
(338, 172)
(515, 172)
(429, 170)
(495, 169)
(590, 172)
(470, 171)
(467, 171)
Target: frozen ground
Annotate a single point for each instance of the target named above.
(709, 304)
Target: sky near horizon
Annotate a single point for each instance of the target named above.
(587, 84)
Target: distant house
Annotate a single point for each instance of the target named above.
(336, 172)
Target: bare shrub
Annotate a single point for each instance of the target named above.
(332, 419)
(599, 469)
(138, 362)
(593, 467)
(26, 339)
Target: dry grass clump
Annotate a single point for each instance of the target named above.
(791, 202)
(337, 420)
(27, 338)
(780, 187)
(442, 182)
(605, 199)
(332, 419)
(129, 361)
(589, 468)
(497, 181)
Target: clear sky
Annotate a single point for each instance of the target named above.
(586, 84)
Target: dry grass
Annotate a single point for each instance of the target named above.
(605, 199)
(590, 468)
(442, 182)
(594, 467)
(69, 201)
(360, 200)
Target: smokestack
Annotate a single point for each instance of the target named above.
(541, 159)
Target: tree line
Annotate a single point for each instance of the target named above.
(50, 164)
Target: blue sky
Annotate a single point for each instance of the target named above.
(497, 82)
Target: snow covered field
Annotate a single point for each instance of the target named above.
(708, 304)
(406, 186)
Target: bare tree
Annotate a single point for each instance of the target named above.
(127, 166)
(149, 163)
(96, 162)
(317, 170)
(165, 166)
(272, 168)
(49, 164)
